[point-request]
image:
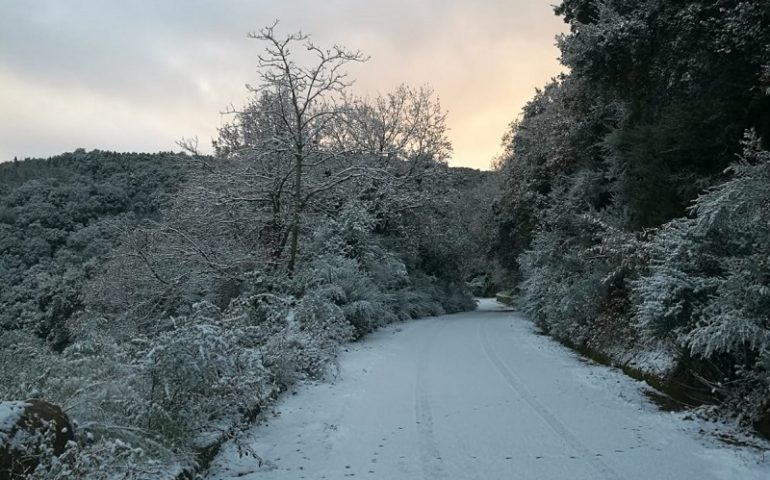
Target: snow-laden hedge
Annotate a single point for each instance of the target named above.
(688, 299)
(707, 287)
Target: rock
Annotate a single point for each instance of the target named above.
(27, 431)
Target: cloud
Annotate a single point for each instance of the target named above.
(139, 75)
(47, 121)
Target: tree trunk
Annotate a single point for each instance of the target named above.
(297, 210)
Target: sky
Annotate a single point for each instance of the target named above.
(140, 75)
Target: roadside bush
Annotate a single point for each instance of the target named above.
(707, 288)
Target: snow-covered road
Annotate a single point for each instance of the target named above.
(479, 395)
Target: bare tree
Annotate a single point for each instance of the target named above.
(284, 130)
(303, 145)
(402, 138)
(407, 124)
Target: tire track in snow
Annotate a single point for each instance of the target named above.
(556, 425)
(430, 457)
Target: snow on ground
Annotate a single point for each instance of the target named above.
(480, 395)
(10, 412)
(491, 305)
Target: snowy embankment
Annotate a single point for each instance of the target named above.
(480, 395)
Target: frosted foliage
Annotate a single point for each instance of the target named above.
(566, 276)
(667, 292)
(321, 317)
(201, 371)
(707, 287)
(611, 32)
(708, 283)
(103, 459)
(362, 301)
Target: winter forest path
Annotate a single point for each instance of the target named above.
(479, 395)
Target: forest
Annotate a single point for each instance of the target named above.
(164, 301)
(633, 215)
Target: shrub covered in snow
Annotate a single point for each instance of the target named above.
(695, 291)
(707, 287)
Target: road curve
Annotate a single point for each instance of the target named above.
(478, 395)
